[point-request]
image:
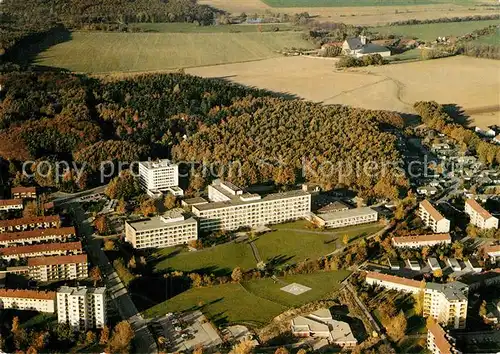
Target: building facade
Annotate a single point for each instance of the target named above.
(158, 176)
(432, 218)
(23, 192)
(446, 303)
(345, 218)
(438, 341)
(46, 249)
(11, 204)
(28, 300)
(418, 241)
(58, 267)
(479, 216)
(172, 228)
(22, 238)
(250, 210)
(394, 282)
(81, 307)
(23, 224)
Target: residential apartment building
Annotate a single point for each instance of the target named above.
(394, 282)
(438, 341)
(432, 218)
(417, 241)
(446, 303)
(11, 204)
(479, 216)
(23, 224)
(344, 218)
(493, 251)
(22, 238)
(58, 267)
(28, 300)
(158, 176)
(23, 192)
(170, 229)
(250, 210)
(81, 307)
(44, 249)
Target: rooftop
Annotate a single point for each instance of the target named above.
(21, 235)
(80, 290)
(44, 247)
(422, 238)
(54, 260)
(238, 201)
(394, 279)
(8, 202)
(453, 291)
(195, 201)
(158, 222)
(440, 339)
(22, 189)
(342, 214)
(436, 215)
(492, 249)
(335, 206)
(27, 294)
(479, 209)
(28, 221)
(157, 164)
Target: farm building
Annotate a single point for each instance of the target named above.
(359, 47)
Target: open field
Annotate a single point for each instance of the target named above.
(254, 303)
(469, 82)
(184, 27)
(352, 3)
(430, 31)
(363, 15)
(101, 52)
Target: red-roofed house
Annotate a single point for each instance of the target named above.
(58, 267)
(394, 282)
(416, 241)
(11, 204)
(30, 300)
(432, 218)
(438, 341)
(479, 216)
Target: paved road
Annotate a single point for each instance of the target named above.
(144, 341)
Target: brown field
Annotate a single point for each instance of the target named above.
(367, 15)
(468, 82)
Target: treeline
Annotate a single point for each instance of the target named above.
(435, 116)
(445, 20)
(478, 50)
(350, 62)
(270, 139)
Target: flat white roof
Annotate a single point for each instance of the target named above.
(336, 215)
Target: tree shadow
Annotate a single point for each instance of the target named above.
(458, 114)
(284, 95)
(25, 51)
(279, 260)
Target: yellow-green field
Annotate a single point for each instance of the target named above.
(101, 52)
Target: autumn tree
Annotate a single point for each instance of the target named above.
(121, 338)
(90, 338)
(243, 347)
(121, 207)
(237, 275)
(102, 225)
(109, 245)
(482, 309)
(438, 273)
(95, 275)
(281, 350)
(345, 239)
(170, 201)
(396, 328)
(148, 207)
(104, 338)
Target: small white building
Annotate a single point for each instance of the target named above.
(427, 190)
(413, 264)
(336, 219)
(394, 282)
(58, 267)
(81, 307)
(28, 300)
(361, 46)
(433, 263)
(454, 264)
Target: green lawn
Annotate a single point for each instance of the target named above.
(430, 31)
(220, 259)
(254, 303)
(493, 39)
(409, 54)
(351, 3)
(102, 52)
(185, 27)
(291, 243)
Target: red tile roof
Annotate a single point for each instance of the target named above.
(22, 189)
(492, 248)
(422, 238)
(54, 260)
(8, 202)
(28, 294)
(27, 221)
(21, 235)
(478, 209)
(44, 247)
(394, 279)
(440, 340)
(436, 215)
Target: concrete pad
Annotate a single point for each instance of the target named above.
(295, 289)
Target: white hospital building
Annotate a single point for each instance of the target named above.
(479, 216)
(81, 307)
(159, 176)
(432, 218)
(170, 229)
(231, 208)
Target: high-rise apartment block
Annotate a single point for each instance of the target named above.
(82, 308)
(159, 176)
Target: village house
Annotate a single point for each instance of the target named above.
(23, 192)
(22, 224)
(361, 46)
(36, 236)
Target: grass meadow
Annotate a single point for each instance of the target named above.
(430, 31)
(254, 303)
(493, 39)
(104, 52)
(353, 3)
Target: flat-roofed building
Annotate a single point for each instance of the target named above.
(81, 307)
(454, 264)
(28, 300)
(44, 249)
(58, 267)
(446, 303)
(157, 176)
(193, 201)
(479, 216)
(170, 229)
(333, 207)
(23, 224)
(23, 192)
(438, 341)
(432, 218)
(21, 238)
(394, 282)
(320, 324)
(345, 218)
(433, 263)
(250, 210)
(11, 204)
(473, 264)
(413, 264)
(493, 251)
(417, 241)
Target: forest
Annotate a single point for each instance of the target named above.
(63, 116)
